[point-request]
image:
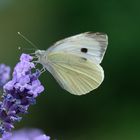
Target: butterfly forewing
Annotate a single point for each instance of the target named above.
(89, 45)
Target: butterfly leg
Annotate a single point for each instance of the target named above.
(43, 70)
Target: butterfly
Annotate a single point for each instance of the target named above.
(75, 61)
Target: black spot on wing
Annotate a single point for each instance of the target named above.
(84, 50)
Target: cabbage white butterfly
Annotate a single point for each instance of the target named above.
(75, 61)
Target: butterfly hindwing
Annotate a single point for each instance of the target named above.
(75, 74)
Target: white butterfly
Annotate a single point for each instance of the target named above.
(75, 61)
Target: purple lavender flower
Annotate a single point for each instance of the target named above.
(4, 74)
(19, 93)
(27, 134)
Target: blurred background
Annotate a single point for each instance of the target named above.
(112, 112)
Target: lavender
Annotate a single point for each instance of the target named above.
(19, 93)
(27, 134)
(4, 74)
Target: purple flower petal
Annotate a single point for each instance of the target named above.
(25, 57)
(42, 137)
(19, 93)
(29, 134)
(4, 74)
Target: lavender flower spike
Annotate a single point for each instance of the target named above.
(27, 134)
(4, 74)
(19, 93)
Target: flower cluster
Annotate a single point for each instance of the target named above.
(19, 93)
(27, 134)
(4, 74)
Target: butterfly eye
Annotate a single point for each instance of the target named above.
(84, 50)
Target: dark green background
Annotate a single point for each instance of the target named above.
(112, 112)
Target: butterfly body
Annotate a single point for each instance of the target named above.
(75, 62)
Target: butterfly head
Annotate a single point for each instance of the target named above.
(41, 56)
(39, 53)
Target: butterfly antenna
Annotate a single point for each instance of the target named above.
(29, 49)
(31, 43)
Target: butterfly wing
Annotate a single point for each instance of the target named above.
(74, 62)
(91, 46)
(75, 74)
